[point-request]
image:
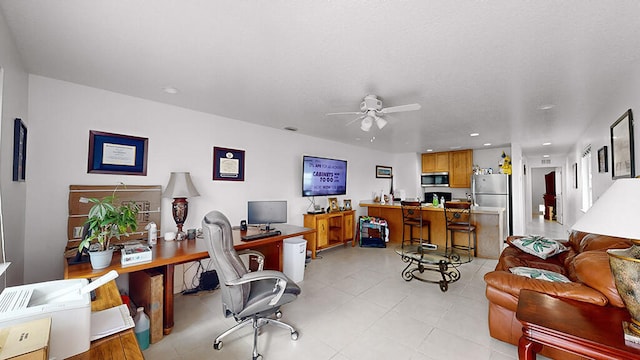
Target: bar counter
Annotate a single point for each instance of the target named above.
(489, 223)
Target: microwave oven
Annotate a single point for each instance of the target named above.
(435, 179)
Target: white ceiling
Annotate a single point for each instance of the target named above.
(474, 66)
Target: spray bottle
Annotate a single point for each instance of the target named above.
(153, 233)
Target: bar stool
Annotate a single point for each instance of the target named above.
(458, 219)
(412, 219)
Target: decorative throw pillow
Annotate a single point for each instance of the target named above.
(539, 246)
(539, 274)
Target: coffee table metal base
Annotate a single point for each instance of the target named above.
(420, 259)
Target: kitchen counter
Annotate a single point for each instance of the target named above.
(489, 223)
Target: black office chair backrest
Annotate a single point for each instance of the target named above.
(219, 240)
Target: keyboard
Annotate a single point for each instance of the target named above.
(260, 235)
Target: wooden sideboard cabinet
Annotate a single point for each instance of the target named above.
(332, 229)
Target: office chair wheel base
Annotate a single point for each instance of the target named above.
(294, 336)
(217, 345)
(278, 314)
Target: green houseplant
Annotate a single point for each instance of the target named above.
(107, 221)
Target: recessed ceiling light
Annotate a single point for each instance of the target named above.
(455, 147)
(170, 90)
(546, 106)
(429, 150)
(487, 144)
(291, 128)
(545, 156)
(546, 144)
(474, 134)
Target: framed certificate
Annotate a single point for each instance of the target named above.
(228, 164)
(117, 154)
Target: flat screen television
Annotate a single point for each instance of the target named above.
(266, 213)
(323, 176)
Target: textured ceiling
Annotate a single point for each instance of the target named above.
(473, 66)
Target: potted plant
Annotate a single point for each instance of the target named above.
(107, 221)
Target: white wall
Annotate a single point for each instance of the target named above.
(597, 134)
(14, 105)
(61, 115)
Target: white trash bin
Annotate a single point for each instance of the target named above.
(294, 253)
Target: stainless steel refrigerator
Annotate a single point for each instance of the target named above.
(494, 191)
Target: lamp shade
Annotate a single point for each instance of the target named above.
(180, 186)
(615, 213)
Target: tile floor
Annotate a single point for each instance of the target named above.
(355, 305)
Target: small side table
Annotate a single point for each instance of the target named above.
(578, 327)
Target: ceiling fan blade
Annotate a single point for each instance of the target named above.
(400, 108)
(354, 120)
(346, 113)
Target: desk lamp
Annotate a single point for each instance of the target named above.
(616, 213)
(180, 187)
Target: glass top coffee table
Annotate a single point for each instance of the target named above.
(423, 260)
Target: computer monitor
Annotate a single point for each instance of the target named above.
(266, 213)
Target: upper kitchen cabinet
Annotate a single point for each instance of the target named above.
(435, 162)
(460, 168)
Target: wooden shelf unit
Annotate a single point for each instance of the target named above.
(332, 229)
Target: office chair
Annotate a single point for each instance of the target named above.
(250, 297)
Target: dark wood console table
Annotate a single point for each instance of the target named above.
(574, 326)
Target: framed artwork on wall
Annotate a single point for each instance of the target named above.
(622, 158)
(575, 175)
(603, 163)
(383, 171)
(19, 150)
(228, 164)
(117, 154)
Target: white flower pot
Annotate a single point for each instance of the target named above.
(100, 259)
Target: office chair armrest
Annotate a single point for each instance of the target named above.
(280, 284)
(259, 257)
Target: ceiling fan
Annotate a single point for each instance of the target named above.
(371, 111)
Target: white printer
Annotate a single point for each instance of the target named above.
(66, 302)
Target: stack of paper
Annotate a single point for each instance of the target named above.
(110, 321)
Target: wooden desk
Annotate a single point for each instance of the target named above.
(578, 327)
(167, 254)
(122, 345)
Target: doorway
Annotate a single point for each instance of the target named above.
(546, 194)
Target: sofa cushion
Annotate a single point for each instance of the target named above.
(592, 268)
(513, 257)
(539, 274)
(539, 246)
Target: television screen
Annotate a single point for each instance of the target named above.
(323, 177)
(266, 212)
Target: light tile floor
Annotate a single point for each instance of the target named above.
(354, 305)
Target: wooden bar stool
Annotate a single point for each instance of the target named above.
(413, 221)
(458, 219)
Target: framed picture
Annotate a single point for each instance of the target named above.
(575, 175)
(228, 164)
(347, 204)
(19, 150)
(622, 159)
(333, 204)
(117, 154)
(383, 171)
(603, 163)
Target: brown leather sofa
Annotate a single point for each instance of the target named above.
(586, 264)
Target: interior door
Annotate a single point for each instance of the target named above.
(559, 199)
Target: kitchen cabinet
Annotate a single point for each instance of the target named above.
(460, 168)
(435, 162)
(332, 229)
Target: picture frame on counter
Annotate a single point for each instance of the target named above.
(347, 204)
(333, 204)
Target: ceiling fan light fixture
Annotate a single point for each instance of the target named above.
(366, 123)
(380, 122)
